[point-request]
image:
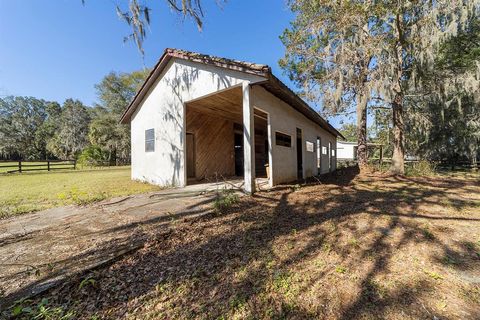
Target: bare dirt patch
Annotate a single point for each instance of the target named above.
(351, 247)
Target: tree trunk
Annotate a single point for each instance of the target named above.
(473, 157)
(398, 165)
(362, 156)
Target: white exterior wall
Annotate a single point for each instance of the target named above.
(163, 109)
(285, 119)
(346, 150)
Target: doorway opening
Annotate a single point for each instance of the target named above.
(190, 155)
(215, 139)
(239, 160)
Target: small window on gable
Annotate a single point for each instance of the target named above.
(150, 140)
(283, 140)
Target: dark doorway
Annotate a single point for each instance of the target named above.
(190, 155)
(299, 154)
(238, 144)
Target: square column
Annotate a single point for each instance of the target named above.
(248, 139)
(270, 150)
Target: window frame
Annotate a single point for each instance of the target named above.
(309, 146)
(285, 143)
(150, 141)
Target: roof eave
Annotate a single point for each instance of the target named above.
(249, 68)
(254, 69)
(306, 109)
(245, 67)
(162, 62)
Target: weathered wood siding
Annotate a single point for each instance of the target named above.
(214, 149)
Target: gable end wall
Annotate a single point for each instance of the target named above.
(163, 110)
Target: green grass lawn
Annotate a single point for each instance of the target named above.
(27, 192)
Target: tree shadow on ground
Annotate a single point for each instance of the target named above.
(328, 250)
(124, 238)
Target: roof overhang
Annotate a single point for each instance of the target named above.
(272, 84)
(284, 93)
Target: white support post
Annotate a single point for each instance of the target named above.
(270, 150)
(248, 139)
(184, 147)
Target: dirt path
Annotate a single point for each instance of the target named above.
(40, 249)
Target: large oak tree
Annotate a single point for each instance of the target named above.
(330, 47)
(369, 48)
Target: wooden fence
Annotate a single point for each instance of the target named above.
(7, 166)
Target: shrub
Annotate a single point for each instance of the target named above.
(93, 155)
(225, 199)
(420, 168)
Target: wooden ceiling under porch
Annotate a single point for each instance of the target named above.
(212, 122)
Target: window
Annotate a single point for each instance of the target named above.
(283, 140)
(309, 146)
(333, 152)
(150, 140)
(324, 150)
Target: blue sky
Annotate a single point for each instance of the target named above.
(56, 49)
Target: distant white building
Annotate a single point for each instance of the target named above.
(346, 150)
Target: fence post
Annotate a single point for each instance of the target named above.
(74, 164)
(20, 166)
(381, 156)
(48, 165)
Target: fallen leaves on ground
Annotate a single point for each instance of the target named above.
(353, 246)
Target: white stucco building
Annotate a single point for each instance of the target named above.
(346, 150)
(197, 116)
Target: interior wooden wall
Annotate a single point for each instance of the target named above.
(214, 149)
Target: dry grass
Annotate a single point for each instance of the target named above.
(372, 247)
